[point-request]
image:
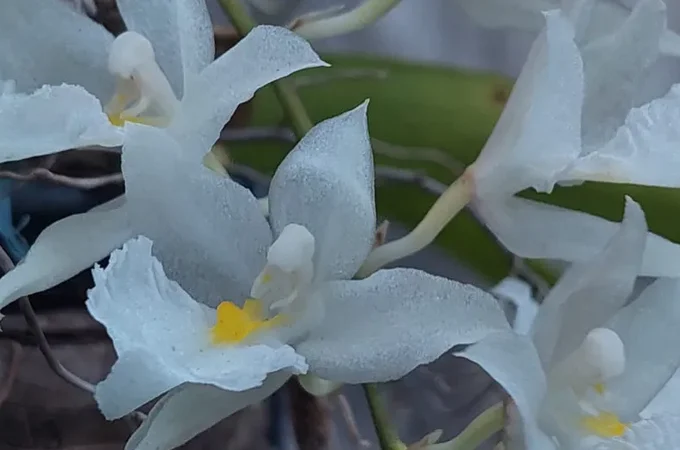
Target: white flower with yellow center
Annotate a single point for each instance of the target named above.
(252, 302)
(600, 360)
(571, 118)
(77, 84)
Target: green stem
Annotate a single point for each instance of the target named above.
(482, 428)
(285, 91)
(360, 17)
(387, 435)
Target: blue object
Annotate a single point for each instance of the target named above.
(10, 238)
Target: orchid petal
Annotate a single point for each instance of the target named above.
(193, 408)
(648, 327)
(326, 185)
(208, 231)
(589, 293)
(536, 230)
(656, 433)
(543, 112)
(180, 32)
(64, 249)
(512, 361)
(382, 327)
(266, 54)
(614, 66)
(53, 119)
(643, 150)
(162, 336)
(66, 47)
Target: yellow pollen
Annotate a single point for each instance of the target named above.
(605, 425)
(266, 278)
(599, 388)
(118, 121)
(235, 324)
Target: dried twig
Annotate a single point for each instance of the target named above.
(350, 421)
(42, 173)
(6, 265)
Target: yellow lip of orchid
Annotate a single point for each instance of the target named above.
(235, 324)
(604, 425)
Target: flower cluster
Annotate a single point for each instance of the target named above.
(213, 304)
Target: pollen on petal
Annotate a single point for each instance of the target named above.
(599, 388)
(234, 324)
(605, 425)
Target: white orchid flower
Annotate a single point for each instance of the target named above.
(603, 360)
(76, 84)
(286, 283)
(528, 15)
(569, 119)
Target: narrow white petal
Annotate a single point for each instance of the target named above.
(180, 32)
(67, 47)
(208, 231)
(193, 408)
(326, 184)
(380, 328)
(614, 67)
(266, 54)
(643, 150)
(64, 249)
(666, 401)
(537, 230)
(591, 292)
(648, 328)
(53, 119)
(162, 336)
(522, 14)
(543, 112)
(512, 361)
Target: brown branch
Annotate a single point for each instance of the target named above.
(43, 173)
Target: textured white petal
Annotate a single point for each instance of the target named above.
(162, 336)
(656, 433)
(670, 44)
(614, 66)
(193, 408)
(208, 231)
(384, 326)
(512, 361)
(64, 249)
(180, 32)
(266, 54)
(543, 113)
(522, 14)
(47, 42)
(53, 119)
(326, 184)
(666, 401)
(643, 150)
(591, 292)
(649, 329)
(540, 231)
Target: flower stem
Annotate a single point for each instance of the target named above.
(360, 17)
(387, 435)
(482, 428)
(445, 208)
(285, 91)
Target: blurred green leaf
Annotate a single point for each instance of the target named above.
(448, 109)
